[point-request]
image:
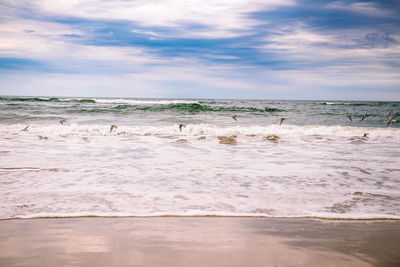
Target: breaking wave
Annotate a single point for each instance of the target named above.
(292, 132)
(119, 105)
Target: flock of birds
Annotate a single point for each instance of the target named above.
(235, 117)
(282, 120)
(62, 122)
(350, 116)
(364, 118)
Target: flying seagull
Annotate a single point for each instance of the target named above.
(26, 128)
(282, 121)
(181, 126)
(235, 117)
(351, 116)
(63, 122)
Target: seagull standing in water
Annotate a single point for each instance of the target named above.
(282, 121)
(113, 127)
(235, 117)
(181, 126)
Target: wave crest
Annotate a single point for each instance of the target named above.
(293, 132)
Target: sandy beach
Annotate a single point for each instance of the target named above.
(198, 241)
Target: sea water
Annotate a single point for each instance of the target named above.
(318, 163)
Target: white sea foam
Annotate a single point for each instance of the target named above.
(291, 132)
(273, 171)
(214, 166)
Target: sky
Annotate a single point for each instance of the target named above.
(253, 49)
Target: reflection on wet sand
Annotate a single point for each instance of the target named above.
(198, 241)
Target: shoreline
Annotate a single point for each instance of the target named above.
(204, 216)
(198, 241)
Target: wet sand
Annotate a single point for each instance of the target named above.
(198, 241)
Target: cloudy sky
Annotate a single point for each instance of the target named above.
(254, 49)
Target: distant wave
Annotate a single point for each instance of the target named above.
(178, 107)
(118, 105)
(354, 104)
(195, 108)
(45, 99)
(95, 100)
(160, 105)
(144, 101)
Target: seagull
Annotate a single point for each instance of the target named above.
(181, 126)
(235, 117)
(390, 115)
(363, 118)
(26, 128)
(282, 121)
(63, 122)
(351, 116)
(113, 127)
(366, 134)
(391, 120)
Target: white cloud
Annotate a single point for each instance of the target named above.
(150, 33)
(219, 18)
(296, 35)
(330, 62)
(49, 42)
(101, 70)
(366, 8)
(303, 46)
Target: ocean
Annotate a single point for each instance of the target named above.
(317, 163)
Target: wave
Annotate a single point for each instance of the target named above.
(144, 102)
(191, 108)
(95, 100)
(358, 104)
(117, 105)
(84, 100)
(291, 132)
(45, 99)
(195, 108)
(347, 104)
(179, 107)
